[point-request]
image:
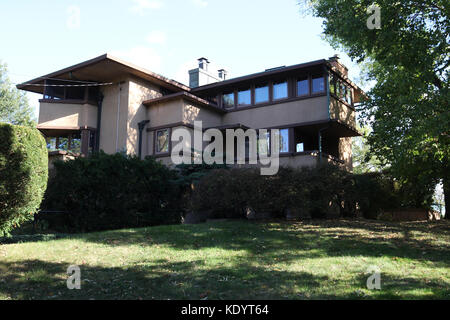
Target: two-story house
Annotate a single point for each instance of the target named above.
(111, 105)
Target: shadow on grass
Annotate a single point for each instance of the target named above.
(35, 279)
(291, 241)
(161, 280)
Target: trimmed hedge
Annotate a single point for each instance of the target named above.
(319, 192)
(23, 174)
(104, 192)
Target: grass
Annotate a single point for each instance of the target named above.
(236, 260)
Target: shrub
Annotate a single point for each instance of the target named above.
(227, 193)
(104, 192)
(23, 174)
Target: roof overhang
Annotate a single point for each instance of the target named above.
(184, 96)
(104, 68)
(260, 77)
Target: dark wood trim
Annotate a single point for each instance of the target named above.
(255, 76)
(332, 95)
(185, 96)
(171, 125)
(85, 138)
(275, 102)
(66, 128)
(162, 154)
(69, 101)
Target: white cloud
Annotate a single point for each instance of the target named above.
(200, 3)
(140, 6)
(157, 37)
(144, 57)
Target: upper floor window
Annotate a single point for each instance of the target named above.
(280, 90)
(262, 94)
(302, 87)
(284, 140)
(318, 84)
(228, 100)
(348, 97)
(162, 141)
(244, 97)
(332, 84)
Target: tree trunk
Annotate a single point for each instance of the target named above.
(446, 183)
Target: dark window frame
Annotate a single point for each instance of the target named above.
(169, 143)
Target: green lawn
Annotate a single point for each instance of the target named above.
(236, 260)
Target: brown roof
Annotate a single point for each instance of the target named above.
(186, 96)
(104, 68)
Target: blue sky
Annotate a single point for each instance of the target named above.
(165, 36)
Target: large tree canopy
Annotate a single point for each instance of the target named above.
(14, 107)
(408, 59)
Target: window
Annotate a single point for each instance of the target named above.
(300, 147)
(349, 95)
(280, 90)
(303, 87)
(318, 84)
(162, 141)
(262, 94)
(284, 140)
(66, 142)
(264, 144)
(228, 100)
(332, 85)
(244, 97)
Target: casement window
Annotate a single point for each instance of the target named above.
(300, 147)
(262, 94)
(348, 97)
(318, 84)
(162, 141)
(244, 97)
(284, 140)
(303, 87)
(280, 90)
(264, 144)
(228, 100)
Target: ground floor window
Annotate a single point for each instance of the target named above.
(162, 141)
(68, 142)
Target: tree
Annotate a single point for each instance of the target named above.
(14, 107)
(408, 57)
(363, 160)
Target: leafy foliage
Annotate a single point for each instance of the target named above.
(14, 107)
(23, 174)
(104, 192)
(408, 59)
(316, 191)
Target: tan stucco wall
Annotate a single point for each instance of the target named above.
(139, 91)
(345, 152)
(340, 111)
(67, 115)
(192, 113)
(165, 113)
(307, 110)
(115, 106)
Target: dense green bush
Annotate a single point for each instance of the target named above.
(317, 192)
(105, 192)
(227, 193)
(23, 174)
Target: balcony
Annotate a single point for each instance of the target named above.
(66, 114)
